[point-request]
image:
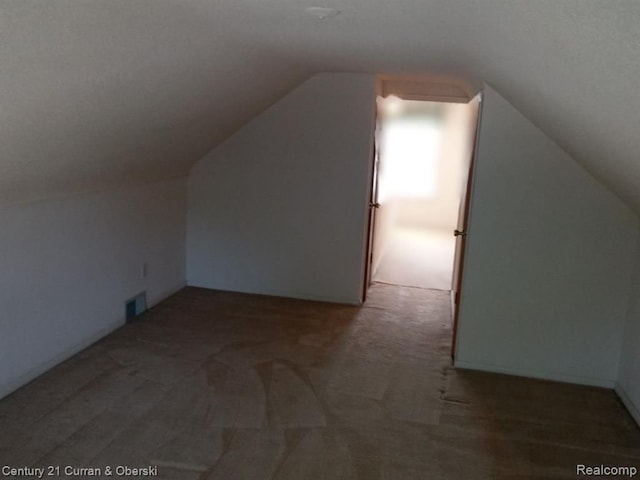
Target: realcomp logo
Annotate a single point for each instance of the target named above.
(606, 470)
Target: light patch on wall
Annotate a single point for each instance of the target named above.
(322, 13)
(409, 146)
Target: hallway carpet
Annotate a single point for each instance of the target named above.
(418, 258)
(216, 385)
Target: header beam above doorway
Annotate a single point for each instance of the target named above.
(434, 88)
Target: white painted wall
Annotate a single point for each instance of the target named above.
(280, 207)
(67, 267)
(440, 212)
(548, 265)
(628, 385)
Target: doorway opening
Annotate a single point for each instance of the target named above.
(420, 178)
(421, 192)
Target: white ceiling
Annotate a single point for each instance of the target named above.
(96, 93)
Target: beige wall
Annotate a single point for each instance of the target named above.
(441, 212)
(70, 264)
(627, 384)
(281, 207)
(549, 259)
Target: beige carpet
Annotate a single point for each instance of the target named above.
(220, 386)
(418, 258)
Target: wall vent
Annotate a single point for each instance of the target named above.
(135, 306)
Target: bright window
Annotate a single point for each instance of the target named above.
(409, 148)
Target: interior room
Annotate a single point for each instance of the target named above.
(422, 171)
(187, 200)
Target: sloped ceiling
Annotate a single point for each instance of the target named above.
(98, 93)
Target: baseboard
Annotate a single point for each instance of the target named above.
(273, 293)
(628, 403)
(555, 377)
(35, 372)
(161, 297)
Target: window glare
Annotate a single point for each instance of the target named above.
(409, 149)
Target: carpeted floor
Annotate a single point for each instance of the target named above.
(418, 258)
(214, 385)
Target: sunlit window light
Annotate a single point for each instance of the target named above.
(409, 149)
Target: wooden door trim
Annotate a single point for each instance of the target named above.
(368, 247)
(463, 239)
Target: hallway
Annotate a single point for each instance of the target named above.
(218, 385)
(418, 257)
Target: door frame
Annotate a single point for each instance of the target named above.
(372, 197)
(425, 89)
(459, 260)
